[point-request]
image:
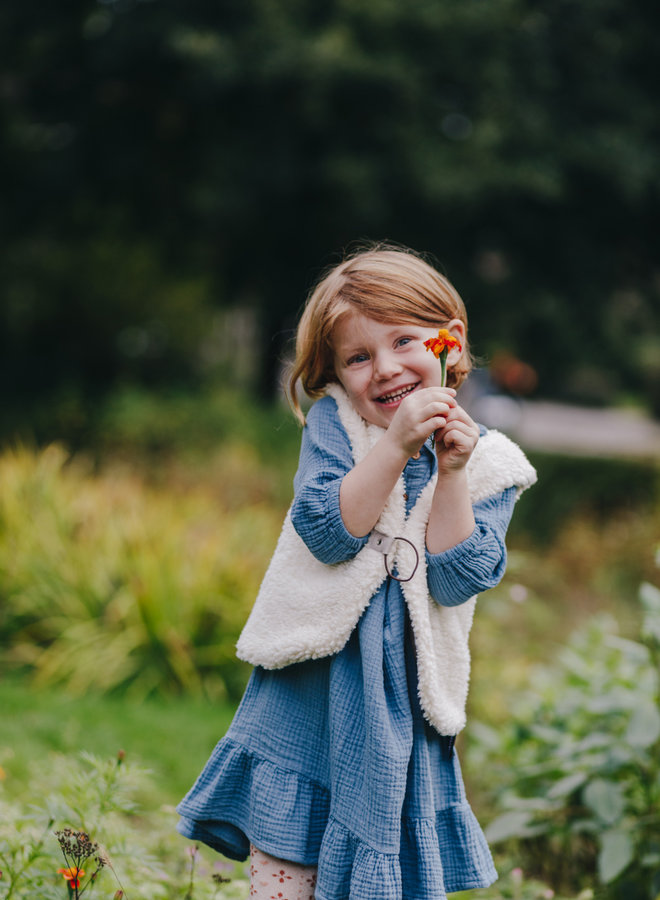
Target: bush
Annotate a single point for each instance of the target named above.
(109, 583)
(576, 771)
(190, 424)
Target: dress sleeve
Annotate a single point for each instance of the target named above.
(325, 457)
(477, 563)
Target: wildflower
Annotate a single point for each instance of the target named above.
(440, 347)
(193, 853)
(444, 341)
(78, 848)
(72, 876)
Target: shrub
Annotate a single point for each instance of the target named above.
(576, 771)
(108, 583)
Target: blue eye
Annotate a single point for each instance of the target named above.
(403, 341)
(358, 358)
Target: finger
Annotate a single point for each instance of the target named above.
(447, 395)
(435, 409)
(458, 414)
(467, 427)
(455, 446)
(458, 434)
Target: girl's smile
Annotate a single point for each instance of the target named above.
(396, 396)
(379, 364)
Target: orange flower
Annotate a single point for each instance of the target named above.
(444, 341)
(72, 876)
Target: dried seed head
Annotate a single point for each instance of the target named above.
(77, 844)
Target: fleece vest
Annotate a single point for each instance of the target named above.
(306, 609)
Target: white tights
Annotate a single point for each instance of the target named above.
(276, 879)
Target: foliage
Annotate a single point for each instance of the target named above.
(162, 159)
(142, 855)
(190, 426)
(576, 770)
(513, 884)
(93, 797)
(136, 571)
(107, 583)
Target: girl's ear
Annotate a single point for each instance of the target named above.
(457, 328)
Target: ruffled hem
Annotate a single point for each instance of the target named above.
(257, 800)
(347, 867)
(434, 859)
(450, 854)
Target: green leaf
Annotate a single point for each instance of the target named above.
(655, 885)
(606, 799)
(617, 699)
(616, 853)
(644, 727)
(508, 825)
(567, 785)
(650, 598)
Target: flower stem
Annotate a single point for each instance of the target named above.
(443, 368)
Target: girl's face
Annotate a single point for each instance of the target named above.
(380, 363)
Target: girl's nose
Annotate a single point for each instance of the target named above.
(386, 365)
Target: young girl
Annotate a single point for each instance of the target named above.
(338, 775)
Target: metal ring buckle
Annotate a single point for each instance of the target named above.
(383, 543)
(412, 574)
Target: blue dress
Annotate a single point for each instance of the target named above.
(330, 762)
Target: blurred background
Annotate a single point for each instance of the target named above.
(175, 175)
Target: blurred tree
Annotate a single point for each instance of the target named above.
(163, 157)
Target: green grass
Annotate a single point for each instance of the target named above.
(173, 737)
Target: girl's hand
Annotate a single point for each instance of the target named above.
(420, 414)
(455, 441)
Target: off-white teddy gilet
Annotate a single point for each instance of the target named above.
(306, 609)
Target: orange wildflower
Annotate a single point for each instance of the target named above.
(440, 347)
(72, 876)
(444, 341)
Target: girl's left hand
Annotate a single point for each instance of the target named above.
(455, 442)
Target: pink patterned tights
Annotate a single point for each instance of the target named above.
(276, 879)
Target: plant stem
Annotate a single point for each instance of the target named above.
(443, 368)
(31, 857)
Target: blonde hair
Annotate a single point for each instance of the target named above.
(386, 283)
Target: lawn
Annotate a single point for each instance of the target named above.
(171, 736)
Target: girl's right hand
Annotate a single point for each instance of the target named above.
(419, 415)
(365, 489)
